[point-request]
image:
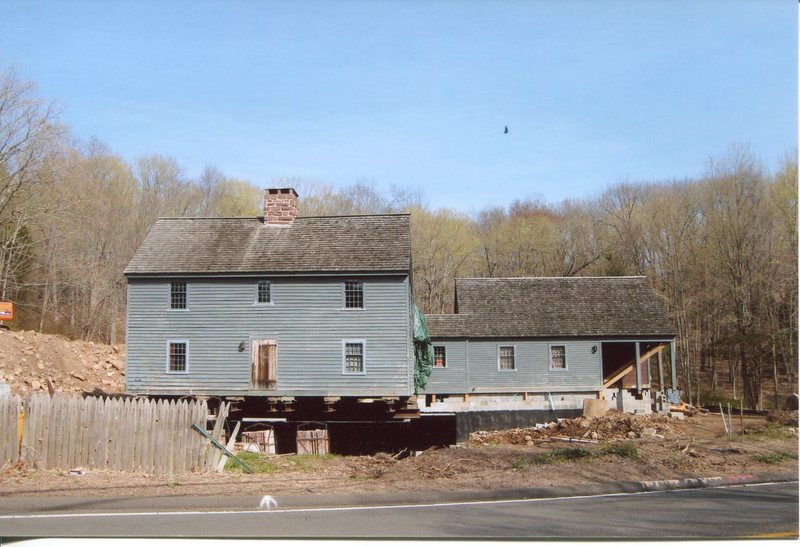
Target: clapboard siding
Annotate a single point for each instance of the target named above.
(473, 364)
(306, 317)
(452, 378)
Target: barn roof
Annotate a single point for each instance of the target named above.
(332, 244)
(549, 307)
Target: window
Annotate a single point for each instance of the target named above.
(353, 294)
(177, 355)
(177, 299)
(264, 296)
(439, 357)
(506, 358)
(558, 357)
(353, 358)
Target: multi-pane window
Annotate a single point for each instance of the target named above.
(558, 357)
(177, 297)
(439, 357)
(264, 296)
(177, 357)
(353, 294)
(354, 357)
(506, 358)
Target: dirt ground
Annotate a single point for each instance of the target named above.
(627, 448)
(29, 359)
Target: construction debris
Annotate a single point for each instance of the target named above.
(613, 426)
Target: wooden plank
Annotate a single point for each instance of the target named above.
(114, 447)
(150, 437)
(184, 427)
(213, 455)
(129, 440)
(200, 413)
(90, 426)
(67, 441)
(5, 430)
(617, 375)
(42, 432)
(169, 445)
(31, 435)
(55, 414)
(177, 434)
(223, 460)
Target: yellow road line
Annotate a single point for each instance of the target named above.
(778, 535)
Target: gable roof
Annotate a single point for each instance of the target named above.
(335, 244)
(553, 307)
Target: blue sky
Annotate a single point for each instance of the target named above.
(416, 94)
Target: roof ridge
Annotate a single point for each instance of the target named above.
(260, 218)
(551, 277)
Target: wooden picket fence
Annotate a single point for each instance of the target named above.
(9, 429)
(62, 432)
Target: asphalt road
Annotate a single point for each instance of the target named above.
(743, 511)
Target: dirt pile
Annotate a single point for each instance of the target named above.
(613, 426)
(29, 359)
(783, 417)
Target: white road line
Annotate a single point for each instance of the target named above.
(369, 508)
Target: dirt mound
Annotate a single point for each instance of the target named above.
(29, 359)
(613, 426)
(783, 417)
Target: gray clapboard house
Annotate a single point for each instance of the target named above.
(275, 305)
(549, 343)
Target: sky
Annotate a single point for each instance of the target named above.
(416, 94)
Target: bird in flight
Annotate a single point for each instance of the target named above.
(506, 131)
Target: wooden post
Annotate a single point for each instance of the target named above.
(638, 368)
(674, 370)
(661, 369)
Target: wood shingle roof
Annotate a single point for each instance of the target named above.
(334, 244)
(552, 307)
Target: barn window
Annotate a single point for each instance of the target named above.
(353, 356)
(353, 294)
(558, 357)
(177, 298)
(264, 296)
(439, 357)
(177, 355)
(506, 358)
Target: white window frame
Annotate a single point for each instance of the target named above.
(186, 368)
(550, 356)
(434, 355)
(363, 343)
(344, 294)
(169, 303)
(515, 357)
(269, 302)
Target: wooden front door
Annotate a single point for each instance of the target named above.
(265, 364)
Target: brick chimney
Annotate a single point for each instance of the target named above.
(280, 206)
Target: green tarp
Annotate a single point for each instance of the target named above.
(423, 350)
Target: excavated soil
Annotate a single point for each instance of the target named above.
(627, 448)
(29, 359)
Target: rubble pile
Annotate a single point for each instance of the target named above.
(29, 359)
(613, 426)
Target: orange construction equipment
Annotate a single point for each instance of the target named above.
(6, 311)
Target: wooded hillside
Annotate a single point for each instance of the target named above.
(721, 248)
